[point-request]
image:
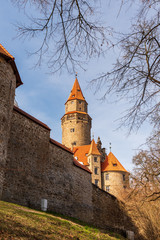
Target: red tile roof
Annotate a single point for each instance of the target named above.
(10, 59)
(74, 112)
(30, 117)
(60, 145)
(5, 52)
(76, 92)
(81, 153)
(111, 163)
(76, 163)
(93, 149)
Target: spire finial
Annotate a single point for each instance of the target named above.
(110, 147)
(93, 136)
(76, 74)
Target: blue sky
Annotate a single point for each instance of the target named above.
(43, 94)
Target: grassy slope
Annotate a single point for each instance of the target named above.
(17, 222)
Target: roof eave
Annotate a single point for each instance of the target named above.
(14, 67)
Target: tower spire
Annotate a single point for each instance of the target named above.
(76, 92)
(76, 123)
(110, 146)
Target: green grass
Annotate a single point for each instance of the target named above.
(17, 222)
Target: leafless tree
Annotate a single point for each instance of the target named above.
(67, 29)
(146, 175)
(136, 73)
(143, 199)
(71, 34)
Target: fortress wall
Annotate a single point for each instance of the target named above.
(7, 91)
(109, 213)
(26, 163)
(71, 186)
(37, 169)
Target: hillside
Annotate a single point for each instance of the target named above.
(17, 222)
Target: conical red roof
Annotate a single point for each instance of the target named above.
(93, 149)
(111, 163)
(76, 92)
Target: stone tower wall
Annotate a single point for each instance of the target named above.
(116, 182)
(76, 130)
(92, 166)
(7, 92)
(76, 105)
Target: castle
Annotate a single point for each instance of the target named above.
(34, 167)
(107, 172)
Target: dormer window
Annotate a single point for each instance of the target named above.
(78, 90)
(114, 164)
(73, 95)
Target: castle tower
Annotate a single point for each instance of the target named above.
(115, 178)
(94, 161)
(9, 80)
(76, 123)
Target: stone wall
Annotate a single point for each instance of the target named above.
(7, 90)
(109, 213)
(28, 154)
(35, 167)
(71, 186)
(38, 168)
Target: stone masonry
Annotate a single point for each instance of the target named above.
(7, 91)
(35, 167)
